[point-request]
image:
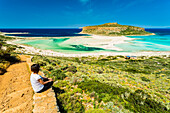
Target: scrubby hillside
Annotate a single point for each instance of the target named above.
(110, 84)
(114, 29)
(6, 54)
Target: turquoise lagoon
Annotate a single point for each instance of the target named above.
(139, 44)
(147, 43)
(158, 42)
(57, 45)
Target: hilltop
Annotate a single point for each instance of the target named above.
(114, 29)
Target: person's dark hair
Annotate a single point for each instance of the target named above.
(35, 68)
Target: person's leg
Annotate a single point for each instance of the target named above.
(45, 79)
(46, 87)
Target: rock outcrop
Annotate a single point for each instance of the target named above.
(114, 29)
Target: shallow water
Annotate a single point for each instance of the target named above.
(158, 42)
(57, 45)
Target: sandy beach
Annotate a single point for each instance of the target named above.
(4, 33)
(105, 42)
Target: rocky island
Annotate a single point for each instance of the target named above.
(115, 29)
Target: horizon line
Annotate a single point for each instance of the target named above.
(75, 28)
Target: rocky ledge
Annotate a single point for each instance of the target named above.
(44, 102)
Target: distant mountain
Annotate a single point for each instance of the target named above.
(114, 29)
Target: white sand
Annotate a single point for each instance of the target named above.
(4, 33)
(105, 42)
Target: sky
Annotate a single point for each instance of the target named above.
(79, 13)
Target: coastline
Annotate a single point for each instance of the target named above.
(35, 51)
(105, 42)
(117, 35)
(97, 41)
(143, 35)
(4, 33)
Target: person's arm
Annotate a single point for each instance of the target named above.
(44, 77)
(47, 78)
(42, 82)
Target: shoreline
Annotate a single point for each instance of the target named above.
(118, 35)
(36, 51)
(97, 41)
(106, 42)
(4, 33)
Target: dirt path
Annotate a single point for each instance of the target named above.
(16, 94)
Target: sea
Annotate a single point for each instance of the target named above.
(158, 42)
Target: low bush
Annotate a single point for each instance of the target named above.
(145, 79)
(138, 101)
(6, 55)
(71, 103)
(141, 102)
(67, 100)
(2, 71)
(58, 74)
(72, 69)
(49, 67)
(40, 62)
(101, 87)
(105, 92)
(96, 111)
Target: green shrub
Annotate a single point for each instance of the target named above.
(101, 87)
(96, 111)
(58, 62)
(71, 103)
(6, 55)
(2, 71)
(61, 83)
(77, 90)
(58, 74)
(145, 79)
(77, 60)
(103, 59)
(120, 56)
(41, 62)
(112, 57)
(53, 64)
(72, 69)
(110, 107)
(67, 100)
(105, 92)
(141, 102)
(49, 67)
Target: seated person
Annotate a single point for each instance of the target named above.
(39, 83)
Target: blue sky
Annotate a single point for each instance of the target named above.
(79, 13)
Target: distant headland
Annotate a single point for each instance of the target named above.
(115, 29)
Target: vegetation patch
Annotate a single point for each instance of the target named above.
(109, 84)
(114, 29)
(6, 54)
